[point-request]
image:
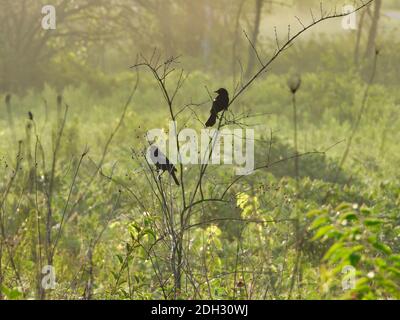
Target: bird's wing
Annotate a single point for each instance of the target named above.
(214, 107)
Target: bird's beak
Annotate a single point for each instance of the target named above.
(216, 92)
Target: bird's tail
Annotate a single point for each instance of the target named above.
(212, 120)
(174, 177)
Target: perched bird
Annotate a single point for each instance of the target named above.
(162, 163)
(221, 102)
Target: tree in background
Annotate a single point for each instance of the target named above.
(254, 36)
(101, 37)
(370, 16)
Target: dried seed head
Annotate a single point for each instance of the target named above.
(30, 115)
(8, 98)
(294, 83)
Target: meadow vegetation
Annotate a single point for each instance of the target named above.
(76, 192)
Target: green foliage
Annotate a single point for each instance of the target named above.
(360, 237)
(270, 237)
(239, 248)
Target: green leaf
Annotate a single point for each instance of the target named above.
(349, 216)
(343, 207)
(395, 258)
(372, 222)
(319, 222)
(11, 294)
(395, 271)
(380, 262)
(354, 258)
(382, 247)
(322, 232)
(365, 211)
(150, 232)
(332, 250)
(314, 213)
(121, 260)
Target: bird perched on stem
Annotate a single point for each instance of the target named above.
(162, 163)
(221, 102)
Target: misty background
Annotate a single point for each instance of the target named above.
(97, 40)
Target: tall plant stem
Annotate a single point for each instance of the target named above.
(296, 145)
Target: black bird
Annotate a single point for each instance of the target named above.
(221, 102)
(162, 163)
